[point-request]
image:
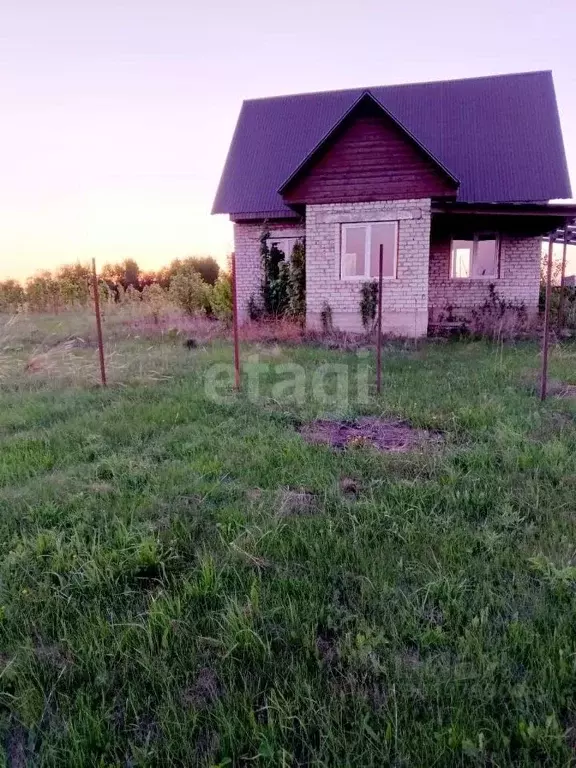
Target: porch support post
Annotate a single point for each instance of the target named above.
(562, 280)
(544, 380)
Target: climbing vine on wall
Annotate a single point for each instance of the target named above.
(283, 287)
(369, 304)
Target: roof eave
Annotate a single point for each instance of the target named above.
(566, 210)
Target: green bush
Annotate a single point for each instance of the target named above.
(221, 297)
(569, 308)
(156, 298)
(188, 290)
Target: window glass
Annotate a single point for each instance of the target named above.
(476, 257)
(462, 257)
(485, 263)
(284, 244)
(383, 233)
(353, 252)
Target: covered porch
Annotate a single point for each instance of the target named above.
(476, 246)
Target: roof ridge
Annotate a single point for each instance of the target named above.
(363, 89)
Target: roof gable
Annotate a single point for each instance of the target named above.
(366, 99)
(368, 155)
(500, 136)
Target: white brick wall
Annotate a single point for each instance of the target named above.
(423, 285)
(405, 299)
(247, 249)
(519, 279)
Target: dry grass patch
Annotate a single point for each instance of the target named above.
(297, 503)
(204, 691)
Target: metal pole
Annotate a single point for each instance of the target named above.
(562, 279)
(235, 326)
(544, 380)
(379, 337)
(98, 323)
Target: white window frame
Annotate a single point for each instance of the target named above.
(474, 241)
(367, 251)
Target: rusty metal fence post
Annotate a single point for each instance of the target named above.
(235, 326)
(98, 323)
(379, 337)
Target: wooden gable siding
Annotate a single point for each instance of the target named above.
(369, 158)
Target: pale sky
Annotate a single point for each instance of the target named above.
(116, 115)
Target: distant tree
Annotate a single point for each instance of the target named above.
(11, 296)
(131, 273)
(148, 278)
(123, 273)
(42, 293)
(74, 284)
(206, 266)
(112, 273)
(188, 290)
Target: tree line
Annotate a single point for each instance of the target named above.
(195, 284)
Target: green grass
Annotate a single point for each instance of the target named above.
(156, 609)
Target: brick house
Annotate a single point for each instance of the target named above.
(451, 178)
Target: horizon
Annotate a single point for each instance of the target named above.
(118, 120)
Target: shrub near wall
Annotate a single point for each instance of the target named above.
(569, 308)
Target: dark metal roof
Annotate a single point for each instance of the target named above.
(499, 135)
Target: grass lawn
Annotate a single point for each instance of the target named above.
(162, 604)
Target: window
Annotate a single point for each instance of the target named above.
(284, 244)
(361, 248)
(476, 258)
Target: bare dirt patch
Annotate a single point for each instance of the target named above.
(383, 434)
(327, 647)
(350, 488)
(205, 690)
